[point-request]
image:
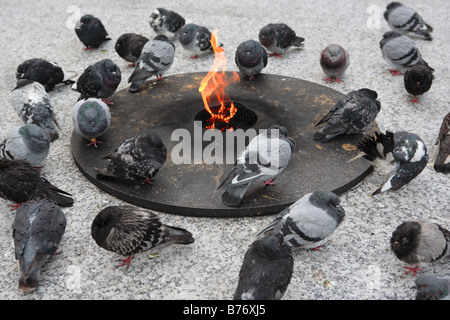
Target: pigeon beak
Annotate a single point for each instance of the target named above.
(78, 24)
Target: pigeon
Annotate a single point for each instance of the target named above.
(136, 159)
(266, 271)
(418, 80)
(128, 230)
(430, 287)
(26, 142)
(334, 60)
(156, 58)
(400, 52)
(308, 222)
(402, 155)
(99, 80)
(32, 103)
(38, 228)
(47, 73)
(196, 39)
(91, 119)
(354, 113)
(166, 22)
(406, 20)
(129, 46)
(19, 181)
(420, 242)
(264, 158)
(91, 32)
(441, 157)
(278, 37)
(251, 58)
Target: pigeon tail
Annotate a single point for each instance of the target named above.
(298, 41)
(323, 137)
(178, 236)
(233, 195)
(29, 283)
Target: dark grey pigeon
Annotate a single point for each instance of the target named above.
(99, 80)
(47, 73)
(441, 157)
(430, 287)
(406, 20)
(196, 39)
(334, 60)
(91, 119)
(400, 52)
(166, 22)
(19, 181)
(401, 155)
(420, 242)
(156, 58)
(26, 142)
(264, 158)
(129, 230)
(352, 114)
(266, 270)
(278, 37)
(91, 32)
(136, 159)
(32, 103)
(251, 58)
(129, 47)
(309, 222)
(39, 225)
(418, 80)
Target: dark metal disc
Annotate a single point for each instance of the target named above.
(192, 189)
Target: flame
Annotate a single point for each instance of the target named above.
(213, 86)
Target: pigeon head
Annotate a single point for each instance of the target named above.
(250, 53)
(34, 137)
(271, 246)
(155, 14)
(266, 35)
(408, 147)
(110, 72)
(393, 5)
(103, 223)
(330, 202)
(161, 37)
(92, 117)
(84, 20)
(430, 287)
(405, 239)
(369, 93)
(188, 33)
(388, 36)
(280, 130)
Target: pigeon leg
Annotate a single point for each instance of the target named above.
(194, 57)
(395, 72)
(15, 206)
(126, 261)
(89, 48)
(317, 248)
(329, 79)
(132, 65)
(269, 182)
(414, 270)
(415, 100)
(159, 77)
(148, 180)
(94, 142)
(107, 101)
(276, 55)
(338, 80)
(251, 78)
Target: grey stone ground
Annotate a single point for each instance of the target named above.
(355, 264)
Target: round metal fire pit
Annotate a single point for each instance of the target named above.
(191, 189)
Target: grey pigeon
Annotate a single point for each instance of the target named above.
(26, 142)
(352, 114)
(420, 242)
(400, 52)
(32, 103)
(278, 37)
(401, 155)
(251, 58)
(47, 73)
(334, 60)
(264, 158)
(418, 80)
(91, 119)
(136, 159)
(19, 181)
(129, 46)
(406, 20)
(91, 32)
(441, 157)
(166, 22)
(129, 230)
(310, 221)
(156, 58)
(99, 80)
(39, 225)
(430, 287)
(266, 270)
(196, 39)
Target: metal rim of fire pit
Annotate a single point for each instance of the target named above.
(192, 189)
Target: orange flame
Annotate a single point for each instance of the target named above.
(213, 86)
